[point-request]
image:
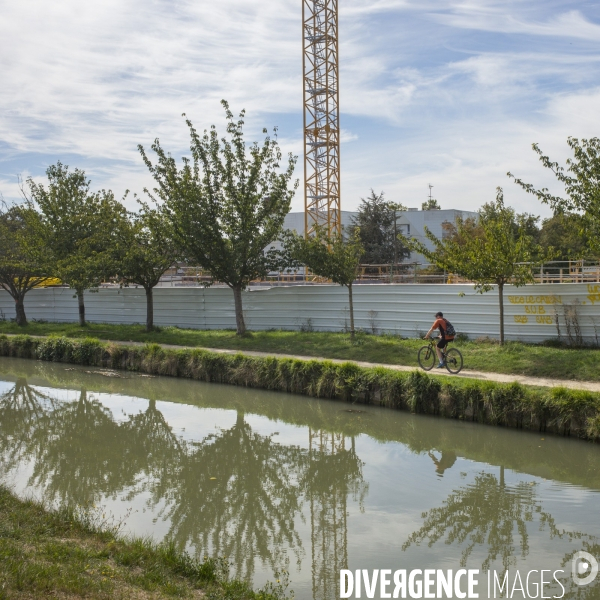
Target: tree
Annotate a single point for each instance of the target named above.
(581, 180)
(332, 256)
(24, 257)
(79, 227)
(431, 204)
(147, 250)
(227, 204)
(376, 222)
(489, 251)
(566, 235)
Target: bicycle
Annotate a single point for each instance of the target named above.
(453, 360)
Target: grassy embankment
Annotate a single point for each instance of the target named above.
(66, 554)
(557, 410)
(514, 358)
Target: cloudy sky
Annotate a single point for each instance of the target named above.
(451, 93)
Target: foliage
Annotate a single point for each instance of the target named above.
(565, 234)
(581, 180)
(80, 228)
(146, 250)
(559, 410)
(376, 225)
(328, 254)
(25, 261)
(226, 204)
(489, 251)
(431, 204)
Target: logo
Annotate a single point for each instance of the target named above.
(584, 568)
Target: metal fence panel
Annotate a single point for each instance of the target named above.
(532, 313)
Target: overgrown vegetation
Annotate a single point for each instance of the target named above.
(67, 554)
(558, 410)
(555, 360)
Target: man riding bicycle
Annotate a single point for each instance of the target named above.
(445, 336)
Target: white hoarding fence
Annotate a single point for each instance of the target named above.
(533, 313)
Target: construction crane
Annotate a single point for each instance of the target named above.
(321, 116)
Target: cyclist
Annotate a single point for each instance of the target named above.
(441, 324)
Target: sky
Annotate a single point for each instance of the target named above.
(447, 93)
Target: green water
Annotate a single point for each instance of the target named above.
(274, 481)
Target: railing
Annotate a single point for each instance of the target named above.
(579, 271)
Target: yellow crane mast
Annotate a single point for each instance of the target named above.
(321, 116)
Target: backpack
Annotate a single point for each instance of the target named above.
(450, 331)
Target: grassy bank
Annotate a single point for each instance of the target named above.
(514, 358)
(558, 410)
(65, 554)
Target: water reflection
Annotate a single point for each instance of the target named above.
(250, 496)
(235, 492)
(486, 513)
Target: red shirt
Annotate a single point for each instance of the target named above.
(441, 325)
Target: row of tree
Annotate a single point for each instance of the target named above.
(223, 208)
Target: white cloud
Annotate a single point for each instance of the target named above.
(451, 93)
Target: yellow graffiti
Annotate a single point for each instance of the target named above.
(543, 319)
(535, 299)
(535, 310)
(593, 298)
(593, 289)
(521, 319)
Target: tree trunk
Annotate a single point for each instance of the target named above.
(20, 310)
(239, 312)
(81, 308)
(501, 300)
(351, 311)
(149, 310)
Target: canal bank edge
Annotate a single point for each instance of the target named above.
(75, 552)
(556, 410)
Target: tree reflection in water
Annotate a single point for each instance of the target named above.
(485, 514)
(236, 493)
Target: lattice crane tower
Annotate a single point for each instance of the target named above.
(321, 115)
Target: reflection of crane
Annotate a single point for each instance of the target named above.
(321, 115)
(334, 471)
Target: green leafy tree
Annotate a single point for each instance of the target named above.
(431, 204)
(146, 250)
(80, 228)
(25, 261)
(331, 256)
(376, 222)
(581, 180)
(226, 204)
(489, 251)
(565, 234)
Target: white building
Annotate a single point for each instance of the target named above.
(411, 223)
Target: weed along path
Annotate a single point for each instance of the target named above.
(546, 382)
(589, 386)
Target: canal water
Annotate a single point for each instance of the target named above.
(273, 481)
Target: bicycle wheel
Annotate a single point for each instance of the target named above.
(426, 358)
(454, 360)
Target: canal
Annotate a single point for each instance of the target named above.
(273, 481)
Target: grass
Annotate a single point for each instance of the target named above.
(65, 554)
(555, 410)
(514, 358)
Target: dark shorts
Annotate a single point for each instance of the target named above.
(443, 342)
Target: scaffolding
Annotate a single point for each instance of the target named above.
(321, 116)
